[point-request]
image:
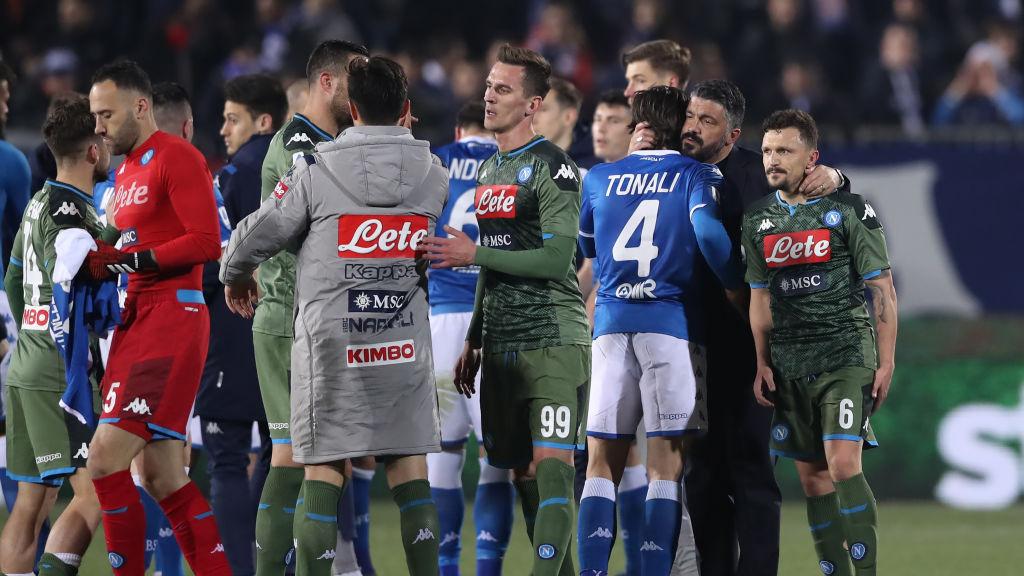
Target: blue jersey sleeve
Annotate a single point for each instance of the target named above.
(702, 192)
(712, 239)
(587, 218)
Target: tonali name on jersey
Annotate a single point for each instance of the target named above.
(383, 236)
(792, 248)
(496, 201)
(630, 184)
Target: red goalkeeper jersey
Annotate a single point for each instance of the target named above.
(163, 201)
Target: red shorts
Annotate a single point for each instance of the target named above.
(156, 359)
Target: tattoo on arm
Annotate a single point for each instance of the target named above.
(879, 297)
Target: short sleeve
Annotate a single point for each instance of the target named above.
(866, 240)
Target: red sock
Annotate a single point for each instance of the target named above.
(196, 531)
(124, 523)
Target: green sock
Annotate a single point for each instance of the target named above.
(419, 526)
(274, 517)
(316, 528)
(860, 522)
(828, 534)
(529, 498)
(553, 530)
(50, 565)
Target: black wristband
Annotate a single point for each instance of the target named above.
(134, 262)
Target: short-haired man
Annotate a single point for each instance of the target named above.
(359, 292)
(164, 209)
(559, 113)
(324, 115)
(819, 361)
(649, 348)
(45, 446)
(452, 293)
(529, 317)
(656, 63)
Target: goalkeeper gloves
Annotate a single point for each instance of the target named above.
(106, 261)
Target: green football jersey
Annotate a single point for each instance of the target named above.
(36, 363)
(523, 197)
(813, 259)
(276, 276)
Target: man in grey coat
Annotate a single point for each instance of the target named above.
(362, 378)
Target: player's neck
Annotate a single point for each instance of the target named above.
(792, 198)
(79, 175)
(722, 154)
(321, 117)
(517, 136)
(146, 131)
(565, 142)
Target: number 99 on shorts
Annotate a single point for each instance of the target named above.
(555, 421)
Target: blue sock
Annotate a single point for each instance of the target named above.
(361, 480)
(451, 508)
(595, 532)
(10, 490)
(662, 516)
(153, 513)
(493, 513)
(632, 494)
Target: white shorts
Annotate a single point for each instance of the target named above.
(459, 414)
(656, 378)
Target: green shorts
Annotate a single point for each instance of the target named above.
(530, 398)
(44, 443)
(274, 369)
(830, 406)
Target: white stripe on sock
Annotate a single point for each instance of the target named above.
(663, 489)
(599, 488)
(633, 477)
(69, 558)
(363, 474)
(491, 475)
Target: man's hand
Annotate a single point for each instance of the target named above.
(642, 138)
(880, 390)
(97, 262)
(466, 369)
(820, 181)
(454, 252)
(241, 297)
(763, 379)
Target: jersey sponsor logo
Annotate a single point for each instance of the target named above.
(486, 536)
(298, 138)
(792, 248)
(213, 428)
(496, 240)
(423, 535)
(565, 171)
(449, 538)
(800, 283)
(83, 452)
(132, 195)
(129, 237)
(49, 458)
(138, 406)
(496, 201)
(832, 218)
(375, 325)
(389, 272)
(375, 300)
(218, 549)
(147, 156)
(277, 425)
(869, 212)
(383, 354)
(649, 546)
(675, 416)
(639, 184)
(639, 291)
(463, 169)
(766, 224)
(524, 174)
(546, 551)
(280, 190)
(380, 236)
(327, 555)
(601, 532)
(35, 318)
(67, 209)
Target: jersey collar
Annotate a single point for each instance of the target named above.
(655, 153)
(478, 140)
(792, 207)
(70, 188)
(517, 151)
(323, 133)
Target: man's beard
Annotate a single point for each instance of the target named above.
(701, 153)
(340, 112)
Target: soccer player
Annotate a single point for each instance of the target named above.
(528, 317)
(229, 402)
(819, 361)
(360, 293)
(559, 113)
(452, 293)
(45, 446)
(646, 218)
(324, 115)
(164, 209)
(15, 175)
(656, 63)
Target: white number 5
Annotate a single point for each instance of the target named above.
(554, 422)
(846, 413)
(111, 399)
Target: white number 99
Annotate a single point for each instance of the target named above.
(554, 421)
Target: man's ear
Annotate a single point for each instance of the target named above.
(812, 160)
(734, 135)
(354, 111)
(264, 123)
(92, 154)
(406, 110)
(535, 103)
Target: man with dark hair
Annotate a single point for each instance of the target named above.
(528, 316)
(358, 227)
(325, 113)
(649, 347)
(451, 310)
(656, 63)
(15, 174)
(164, 209)
(559, 113)
(172, 109)
(819, 361)
(45, 446)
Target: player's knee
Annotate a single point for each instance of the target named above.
(103, 461)
(816, 483)
(843, 466)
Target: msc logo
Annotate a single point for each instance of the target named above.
(67, 209)
(638, 291)
(376, 301)
(496, 240)
(546, 551)
(129, 237)
(806, 283)
(780, 433)
(384, 354)
(138, 406)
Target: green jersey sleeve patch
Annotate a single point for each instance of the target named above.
(66, 209)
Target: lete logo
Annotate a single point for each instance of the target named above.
(792, 248)
(369, 236)
(496, 201)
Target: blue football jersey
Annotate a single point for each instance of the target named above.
(636, 220)
(453, 290)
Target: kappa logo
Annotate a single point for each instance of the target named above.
(327, 555)
(601, 532)
(138, 406)
(869, 212)
(650, 546)
(219, 548)
(277, 425)
(564, 171)
(48, 458)
(67, 209)
(213, 428)
(766, 224)
(83, 451)
(449, 538)
(296, 138)
(423, 535)
(485, 536)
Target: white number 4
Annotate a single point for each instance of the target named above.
(846, 413)
(646, 214)
(111, 399)
(554, 422)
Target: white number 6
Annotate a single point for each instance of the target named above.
(846, 413)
